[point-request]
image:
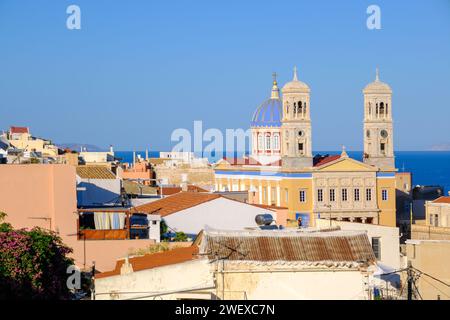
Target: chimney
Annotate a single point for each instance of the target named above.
(184, 183)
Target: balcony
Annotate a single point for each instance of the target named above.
(112, 224)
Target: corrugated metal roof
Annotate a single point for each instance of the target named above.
(132, 187)
(334, 246)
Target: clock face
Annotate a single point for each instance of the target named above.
(301, 133)
(383, 133)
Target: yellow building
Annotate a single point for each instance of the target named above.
(20, 138)
(331, 187)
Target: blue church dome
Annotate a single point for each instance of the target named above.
(268, 114)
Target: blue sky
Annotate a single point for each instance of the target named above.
(137, 70)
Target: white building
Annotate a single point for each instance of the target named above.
(97, 185)
(249, 265)
(190, 212)
(385, 240)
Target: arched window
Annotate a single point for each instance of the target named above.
(300, 107)
(295, 107)
(260, 142)
(387, 108)
(381, 109)
(276, 141)
(268, 146)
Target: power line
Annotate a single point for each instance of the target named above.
(434, 278)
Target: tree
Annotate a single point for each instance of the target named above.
(33, 264)
(163, 228)
(180, 237)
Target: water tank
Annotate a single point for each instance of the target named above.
(263, 219)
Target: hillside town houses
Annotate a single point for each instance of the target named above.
(278, 223)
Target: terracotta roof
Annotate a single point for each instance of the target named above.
(159, 259)
(242, 161)
(177, 202)
(265, 206)
(19, 130)
(94, 172)
(326, 248)
(156, 161)
(167, 191)
(443, 199)
(321, 160)
(339, 247)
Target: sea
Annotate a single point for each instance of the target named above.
(427, 167)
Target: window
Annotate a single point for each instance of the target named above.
(384, 194)
(434, 220)
(260, 142)
(332, 195)
(302, 196)
(300, 147)
(344, 194)
(276, 141)
(154, 222)
(376, 247)
(300, 107)
(382, 147)
(356, 194)
(267, 142)
(381, 108)
(368, 194)
(319, 195)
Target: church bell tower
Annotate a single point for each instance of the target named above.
(378, 128)
(296, 125)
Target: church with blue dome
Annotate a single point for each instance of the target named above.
(266, 128)
(282, 172)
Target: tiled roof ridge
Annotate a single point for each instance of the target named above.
(208, 231)
(442, 199)
(154, 260)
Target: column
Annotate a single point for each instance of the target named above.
(269, 191)
(278, 195)
(260, 193)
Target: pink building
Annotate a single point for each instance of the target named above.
(139, 170)
(44, 195)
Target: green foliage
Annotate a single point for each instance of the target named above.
(34, 160)
(4, 227)
(180, 237)
(163, 228)
(33, 264)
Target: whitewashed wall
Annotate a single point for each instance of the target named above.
(220, 213)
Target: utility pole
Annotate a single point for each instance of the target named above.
(410, 280)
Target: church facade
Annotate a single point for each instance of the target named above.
(282, 171)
